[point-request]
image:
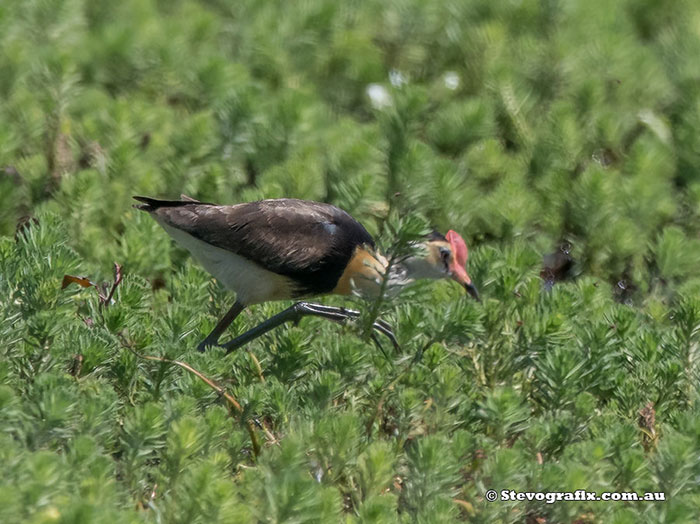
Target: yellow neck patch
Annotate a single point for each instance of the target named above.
(364, 273)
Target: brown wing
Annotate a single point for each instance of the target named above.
(309, 242)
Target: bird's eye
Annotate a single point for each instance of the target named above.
(445, 256)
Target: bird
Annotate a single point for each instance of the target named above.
(281, 249)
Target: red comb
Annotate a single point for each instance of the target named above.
(459, 247)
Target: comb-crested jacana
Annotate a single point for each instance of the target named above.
(294, 249)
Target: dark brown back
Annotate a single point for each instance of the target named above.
(310, 242)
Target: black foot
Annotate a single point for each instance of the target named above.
(206, 343)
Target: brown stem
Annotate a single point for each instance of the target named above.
(232, 402)
(258, 367)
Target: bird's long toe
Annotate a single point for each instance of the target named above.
(385, 329)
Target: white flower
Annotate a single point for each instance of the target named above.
(396, 78)
(451, 80)
(378, 95)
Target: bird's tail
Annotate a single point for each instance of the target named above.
(153, 204)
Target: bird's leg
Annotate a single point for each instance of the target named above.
(213, 338)
(292, 314)
(379, 325)
(301, 309)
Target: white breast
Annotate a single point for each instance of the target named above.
(251, 282)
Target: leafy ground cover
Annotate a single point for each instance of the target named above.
(561, 140)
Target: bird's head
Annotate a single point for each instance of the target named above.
(442, 257)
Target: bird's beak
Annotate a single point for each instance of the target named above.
(471, 289)
(459, 274)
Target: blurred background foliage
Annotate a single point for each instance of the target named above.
(560, 138)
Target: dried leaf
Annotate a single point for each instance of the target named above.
(81, 281)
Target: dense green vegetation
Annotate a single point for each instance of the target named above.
(529, 127)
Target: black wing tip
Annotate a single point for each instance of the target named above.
(149, 204)
(153, 204)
